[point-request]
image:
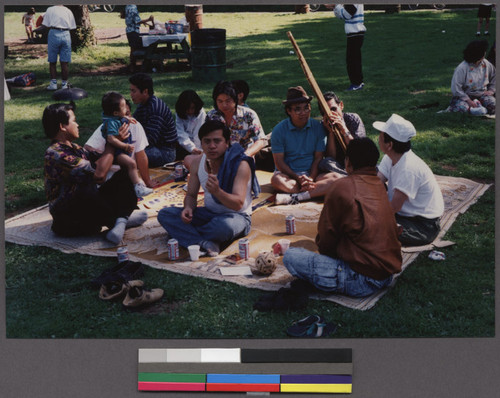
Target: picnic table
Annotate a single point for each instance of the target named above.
(163, 47)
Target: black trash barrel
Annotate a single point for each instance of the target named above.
(208, 54)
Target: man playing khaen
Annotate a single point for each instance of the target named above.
(298, 145)
(413, 191)
(228, 178)
(358, 247)
(349, 124)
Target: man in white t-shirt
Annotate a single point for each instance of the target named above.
(413, 190)
(106, 168)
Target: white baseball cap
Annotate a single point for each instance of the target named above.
(397, 127)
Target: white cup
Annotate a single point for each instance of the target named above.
(285, 244)
(194, 252)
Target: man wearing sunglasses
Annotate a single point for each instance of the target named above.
(298, 145)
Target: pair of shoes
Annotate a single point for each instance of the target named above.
(122, 272)
(138, 296)
(311, 326)
(356, 87)
(286, 199)
(142, 190)
(52, 86)
(135, 293)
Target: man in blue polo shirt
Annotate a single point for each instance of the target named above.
(298, 145)
(156, 118)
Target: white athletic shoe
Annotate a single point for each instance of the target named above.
(286, 199)
(142, 190)
(52, 86)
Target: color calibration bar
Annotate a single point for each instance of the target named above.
(246, 370)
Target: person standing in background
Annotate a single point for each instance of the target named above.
(60, 20)
(353, 16)
(484, 12)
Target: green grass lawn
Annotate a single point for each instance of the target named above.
(408, 62)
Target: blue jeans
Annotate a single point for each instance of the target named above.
(205, 226)
(158, 156)
(329, 274)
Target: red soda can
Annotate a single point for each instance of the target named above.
(173, 249)
(179, 171)
(290, 225)
(244, 248)
(122, 254)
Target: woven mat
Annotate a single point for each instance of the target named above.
(148, 244)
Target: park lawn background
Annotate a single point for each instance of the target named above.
(408, 61)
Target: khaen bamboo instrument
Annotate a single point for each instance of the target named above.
(317, 92)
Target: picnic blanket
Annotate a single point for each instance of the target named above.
(148, 245)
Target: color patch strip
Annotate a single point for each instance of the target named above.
(296, 355)
(160, 386)
(334, 388)
(186, 355)
(316, 379)
(152, 355)
(226, 355)
(243, 387)
(246, 368)
(243, 378)
(173, 377)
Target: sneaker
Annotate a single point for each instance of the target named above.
(478, 34)
(355, 87)
(52, 86)
(210, 248)
(142, 190)
(486, 33)
(65, 85)
(286, 199)
(478, 111)
(138, 295)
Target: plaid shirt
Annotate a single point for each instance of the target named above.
(158, 122)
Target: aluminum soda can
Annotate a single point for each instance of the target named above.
(173, 249)
(179, 171)
(244, 248)
(290, 224)
(122, 254)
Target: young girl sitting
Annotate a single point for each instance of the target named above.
(114, 114)
(190, 115)
(29, 21)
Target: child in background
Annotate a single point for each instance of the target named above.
(189, 115)
(242, 90)
(114, 115)
(29, 21)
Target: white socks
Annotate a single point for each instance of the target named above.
(115, 235)
(303, 196)
(137, 218)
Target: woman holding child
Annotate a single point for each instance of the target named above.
(78, 207)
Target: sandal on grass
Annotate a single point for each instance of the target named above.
(311, 326)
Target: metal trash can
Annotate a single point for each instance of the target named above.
(208, 55)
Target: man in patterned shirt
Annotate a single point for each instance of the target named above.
(156, 118)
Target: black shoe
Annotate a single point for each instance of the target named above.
(122, 272)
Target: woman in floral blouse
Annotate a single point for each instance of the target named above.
(77, 205)
(242, 121)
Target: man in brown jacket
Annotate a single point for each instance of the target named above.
(357, 239)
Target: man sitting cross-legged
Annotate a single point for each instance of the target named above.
(298, 145)
(357, 238)
(228, 178)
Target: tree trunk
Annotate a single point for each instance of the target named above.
(83, 36)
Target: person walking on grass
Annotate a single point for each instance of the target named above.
(413, 191)
(353, 16)
(29, 22)
(228, 178)
(60, 20)
(358, 247)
